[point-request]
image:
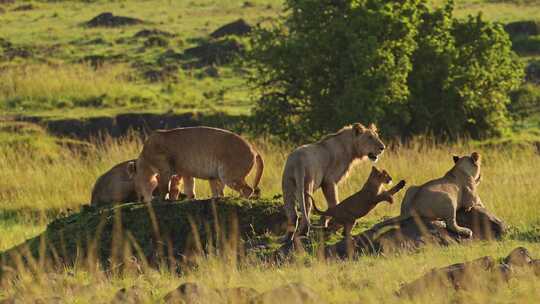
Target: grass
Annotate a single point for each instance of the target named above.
(41, 51)
(508, 189)
(41, 178)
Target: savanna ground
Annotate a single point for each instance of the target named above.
(45, 71)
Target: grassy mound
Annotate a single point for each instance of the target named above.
(154, 233)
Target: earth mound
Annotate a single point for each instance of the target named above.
(109, 20)
(238, 27)
(156, 233)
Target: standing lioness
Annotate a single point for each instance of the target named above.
(323, 164)
(201, 152)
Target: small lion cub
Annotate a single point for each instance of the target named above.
(362, 202)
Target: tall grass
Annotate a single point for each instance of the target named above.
(30, 186)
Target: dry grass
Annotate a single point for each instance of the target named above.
(507, 188)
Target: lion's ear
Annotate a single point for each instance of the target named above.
(374, 169)
(358, 128)
(456, 158)
(373, 127)
(131, 168)
(476, 157)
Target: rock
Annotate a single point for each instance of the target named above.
(238, 295)
(109, 20)
(295, 293)
(411, 234)
(518, 257)
(238, 27)
(152, 32)
(536, 267)
(466, 275)
(131, 295)
(192, 293)
(528, 28)
(484, 224)
(213, 53)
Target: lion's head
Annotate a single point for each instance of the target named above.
(144, 179)
(469, 165)
(380, 177)
(366, 141)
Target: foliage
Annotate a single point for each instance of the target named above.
(408, 68)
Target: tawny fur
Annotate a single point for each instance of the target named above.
(440, 198)
(362, 202)
(217, 155)
(322, 165)
(116, 186)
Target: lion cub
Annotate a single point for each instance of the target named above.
(362, 202)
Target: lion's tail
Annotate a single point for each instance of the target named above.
(317, 210)
(299, 177)
(259, 163)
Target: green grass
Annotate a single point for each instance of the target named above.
(52, 78)
(41, 178)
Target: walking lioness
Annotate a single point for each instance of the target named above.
(323, 164)
(440, 198)
(217, 155)
(362, 202)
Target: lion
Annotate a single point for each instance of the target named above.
(189, 187)
(323, 164)
(362, 202)
(220, 156)
(116, 186)
(439, 199)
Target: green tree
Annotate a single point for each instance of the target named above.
(397, 63)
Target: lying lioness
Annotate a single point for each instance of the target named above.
(439, 199)
(359, 204)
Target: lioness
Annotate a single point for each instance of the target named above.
(362, 202)
(441, 198)
(116, 186)
(323, 164)
(214, 154)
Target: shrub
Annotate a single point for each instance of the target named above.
(400, 64)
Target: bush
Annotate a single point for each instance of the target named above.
(525, 102)
(397, 63)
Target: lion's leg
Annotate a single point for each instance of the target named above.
(452, 225)
(165, 174)
(189, 186)
(289, 200)
(331, 195)
(217, 187)
(305, 225)
(349, 245)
